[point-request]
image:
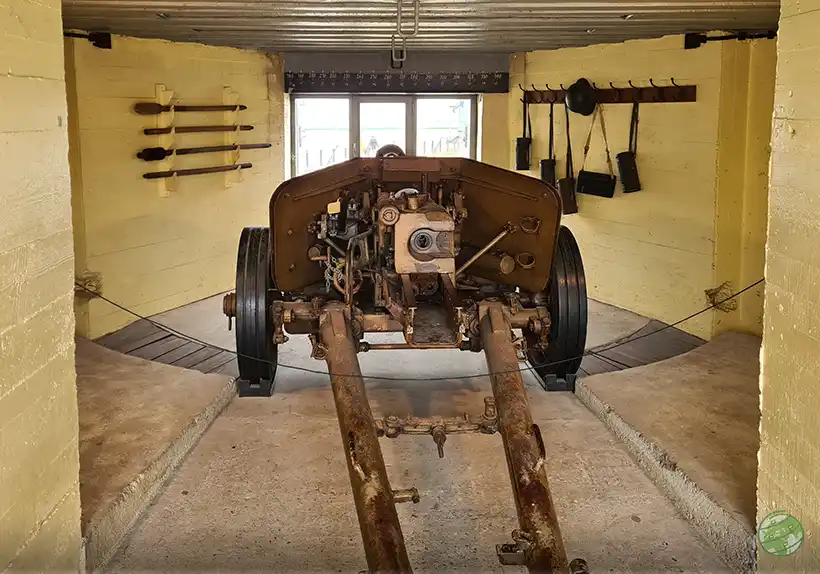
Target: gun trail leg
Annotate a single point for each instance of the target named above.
(379, 523)
(538, 544)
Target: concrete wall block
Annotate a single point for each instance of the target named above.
(789, 463)
(30, 20)
(39, 458)
(43, 101)
(29, 345)
(39, 160)
(30, 57)
(54, 547)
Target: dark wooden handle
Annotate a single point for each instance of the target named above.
(153, 108)
(196, 171)
(194, 129)
(215, 148)
(219, 108)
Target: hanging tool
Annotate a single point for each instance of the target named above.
(523, 145)
(566, 185)
(195, 171)
(153, 108)
(194, 129)
(627, 160)
(160, 153)
(548, 165)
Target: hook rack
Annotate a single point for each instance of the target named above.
(651, 94)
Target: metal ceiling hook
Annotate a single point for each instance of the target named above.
(399, 55)
(416, 9)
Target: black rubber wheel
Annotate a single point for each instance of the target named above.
(254, 325)
(390, 150)
(566, 297)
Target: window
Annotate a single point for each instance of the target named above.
(444, 127)
(321, 133)
(381, 123)
(329, 129)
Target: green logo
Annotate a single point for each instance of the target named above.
(780, 533)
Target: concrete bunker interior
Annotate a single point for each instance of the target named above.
(122, 442)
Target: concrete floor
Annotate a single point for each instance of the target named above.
(693, 423)
(266, 488)
(137, 421)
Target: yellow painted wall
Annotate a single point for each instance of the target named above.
(155, 253)
(653, 252)
(495, 140)
(789, 458)
(744, 131)
(39, 457)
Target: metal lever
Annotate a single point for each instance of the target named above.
(439, 437)
(504, 232)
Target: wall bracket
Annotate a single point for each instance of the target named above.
(651, 94)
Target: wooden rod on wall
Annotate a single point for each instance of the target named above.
(195, 171)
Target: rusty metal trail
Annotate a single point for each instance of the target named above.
(375, 505)
(538, 544)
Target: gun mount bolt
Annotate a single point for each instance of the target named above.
(389, 215)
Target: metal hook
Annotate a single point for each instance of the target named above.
(675, 93)
(631, 85)
(416, 9)
(651, 83)
(562, 87)
(616, 97)
(550, 89)
(521, 88)
(594, 87)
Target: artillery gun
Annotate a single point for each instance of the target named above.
(453, 254)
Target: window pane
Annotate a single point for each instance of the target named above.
(381, 123)
(443, 127)
(322, 130)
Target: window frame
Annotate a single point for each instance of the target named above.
(354, 121)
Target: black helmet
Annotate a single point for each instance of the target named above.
(581, 97)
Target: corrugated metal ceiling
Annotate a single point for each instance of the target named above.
(445, 25)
